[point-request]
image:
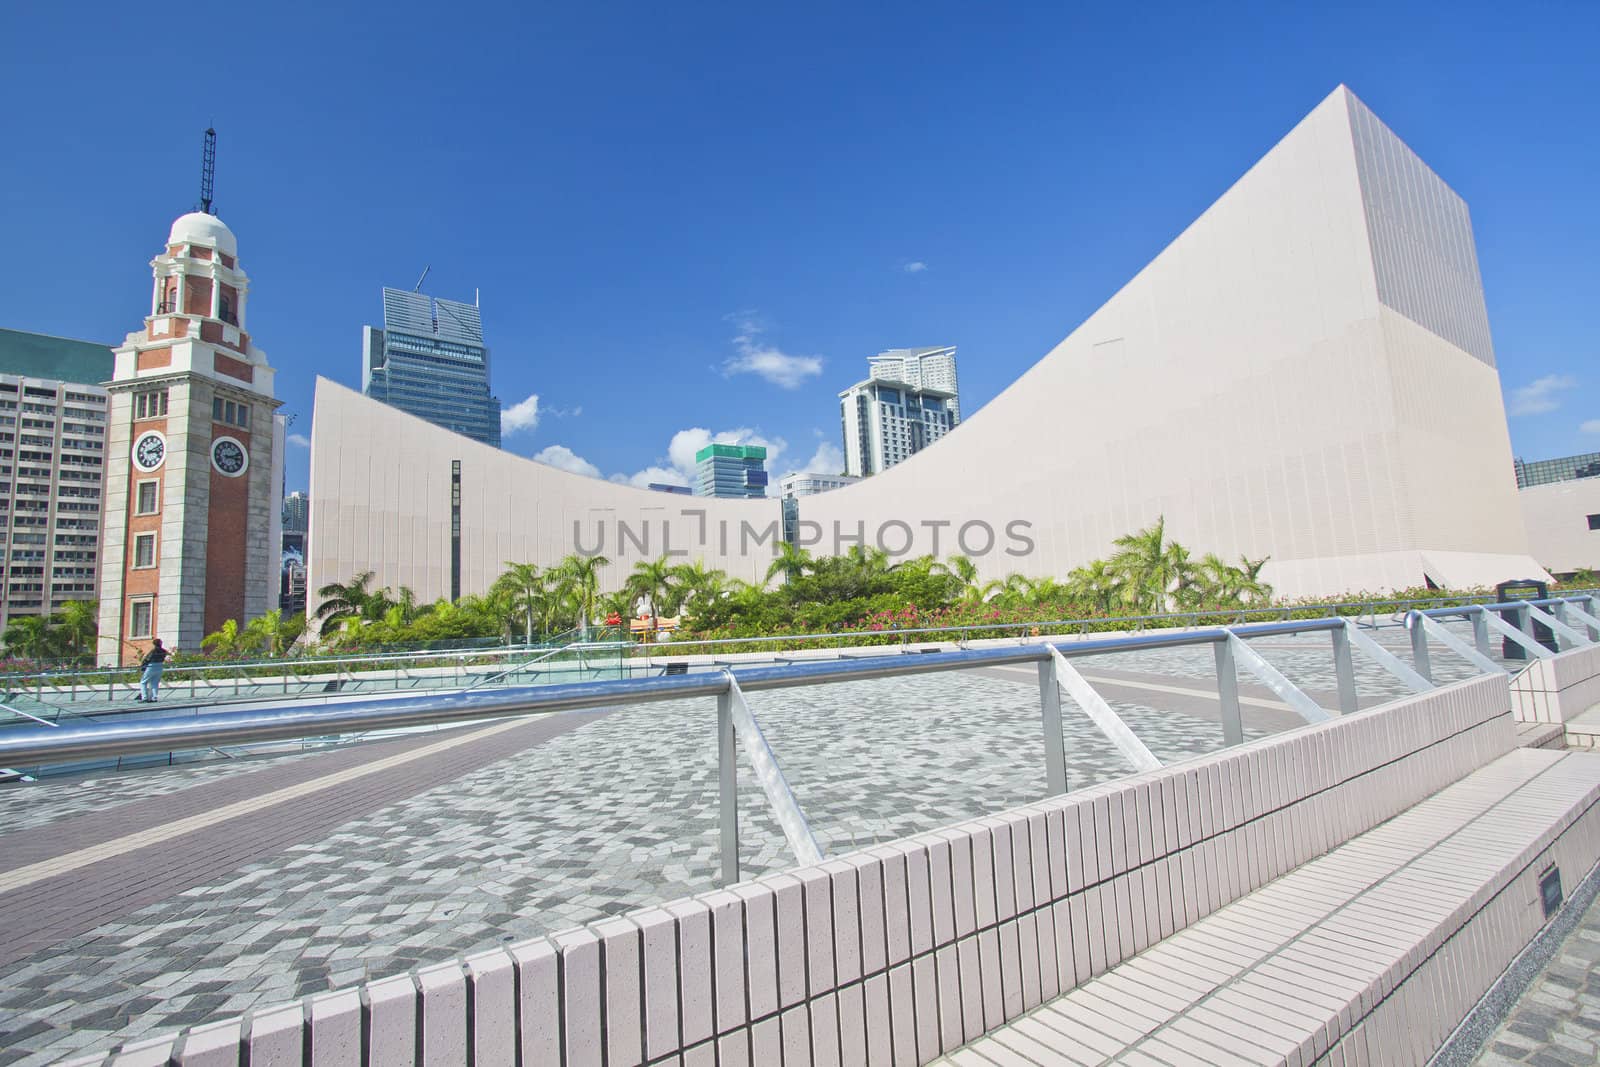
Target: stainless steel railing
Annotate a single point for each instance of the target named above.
(30, 746)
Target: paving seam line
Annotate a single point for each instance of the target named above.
(24, 876)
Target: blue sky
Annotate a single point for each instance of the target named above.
(689, 219)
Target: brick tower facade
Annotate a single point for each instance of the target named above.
(193, 458)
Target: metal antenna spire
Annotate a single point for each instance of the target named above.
(208, 171)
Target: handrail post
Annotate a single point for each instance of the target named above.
(1480, 631)
(728, 787)
(1344, 669)
(1055, 752)
(1228, 693)
(1419, 645)
(1576, 631)
(1589, 615)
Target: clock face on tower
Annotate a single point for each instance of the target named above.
(228, 456)
(149, 451)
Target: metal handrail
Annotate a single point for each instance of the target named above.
(1397, 608)
(576, 646)
(1501, 607)
(381, 660)
(28, 746)
(737, 726)
(385, 658)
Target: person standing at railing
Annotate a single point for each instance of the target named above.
(154, 662)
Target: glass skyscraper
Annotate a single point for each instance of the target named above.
(731, 470)
(429, 360)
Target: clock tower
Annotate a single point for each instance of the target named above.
(193, 465)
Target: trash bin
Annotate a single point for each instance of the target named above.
(1525, 589)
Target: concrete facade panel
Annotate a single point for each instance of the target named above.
(1558, 519)
(1303, 374)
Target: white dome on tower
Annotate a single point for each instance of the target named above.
(201, 229)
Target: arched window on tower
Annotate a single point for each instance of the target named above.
(225, 310)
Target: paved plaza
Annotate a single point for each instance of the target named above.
(1556, 1021)
(130, 905)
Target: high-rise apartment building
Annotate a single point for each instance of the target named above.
(429, 360)
(731, 471)
(52, 469)
(920, 368)
(292, 581)
(886, 422)
(194, 471)
(296, 512)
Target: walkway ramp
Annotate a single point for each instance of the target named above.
(1370, 954)
(1344, 892)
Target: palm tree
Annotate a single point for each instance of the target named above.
(378, 604)
(869, 561)
(225, 641)
(1219, 583)
(524, 589)
(31, 636)
(1010, 590)
(1041, 590)
(356, 630)
(581, 577)
(1145, 564)
(272, 633)
(344, 601)
(699, 584)
(1253, 587)
(494, 605)
(966, 572)
(1097, 583)
(407, 603)
(652, 579)
(619, 604)
(791, 561)
(1182, 577)
(79, 624)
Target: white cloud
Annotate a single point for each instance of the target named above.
(659, 475)
(1590, 426)
(755, 357)
(523, 415)
(1540, 395)
(827, 459)
(299, 440)
(677, 467)
(916, 266)
(563, 457)
(685, 443)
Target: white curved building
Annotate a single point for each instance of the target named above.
(1305, 373)
(443, 514)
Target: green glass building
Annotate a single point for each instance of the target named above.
(731, 470)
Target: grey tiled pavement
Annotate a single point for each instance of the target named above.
(1556, 1021)
(615, 814)
(21, 807)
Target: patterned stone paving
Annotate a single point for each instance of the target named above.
(618, 813)
(1556, 1021)
(21, 807)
